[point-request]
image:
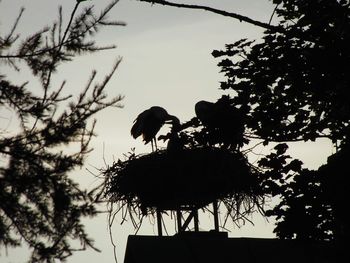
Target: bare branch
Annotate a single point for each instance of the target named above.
(220, 12)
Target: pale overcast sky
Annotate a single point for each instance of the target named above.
(166, 62)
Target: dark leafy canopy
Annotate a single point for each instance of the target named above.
(313, 204)
(40, 204)
(294, 85)
(305, 211)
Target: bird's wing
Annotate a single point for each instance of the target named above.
(136, 130)
(139, 123)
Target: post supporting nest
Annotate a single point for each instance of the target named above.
(183, 223)
(216, 215)
(159, 223)
(181, 227)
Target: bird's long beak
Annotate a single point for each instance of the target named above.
(172, 120)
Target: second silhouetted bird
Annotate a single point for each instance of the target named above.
(224, 122)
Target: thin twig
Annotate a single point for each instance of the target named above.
(9, 36)
(273, 13)
(46, 85)
(110, 223)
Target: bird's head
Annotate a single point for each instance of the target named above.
(159, 113)
(174, 121)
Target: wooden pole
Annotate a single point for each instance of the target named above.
(159, 223)
(178, 218)
(216, 215)
(187, 221)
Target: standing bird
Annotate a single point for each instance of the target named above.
(149, 122)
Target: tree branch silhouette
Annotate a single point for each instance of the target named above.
(239, 17)
(40, 204)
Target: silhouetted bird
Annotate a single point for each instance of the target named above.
(223, 121)
(206, 112)
(149, 122)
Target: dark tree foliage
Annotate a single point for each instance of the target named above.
(294, 84)
(40, 204)
(304, 212)
(314, 203)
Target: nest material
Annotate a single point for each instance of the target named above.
(185, 179)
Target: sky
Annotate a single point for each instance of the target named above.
(166, 61)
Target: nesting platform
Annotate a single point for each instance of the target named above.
(186, 179)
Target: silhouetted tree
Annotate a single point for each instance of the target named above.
(293, 85)
(40, 204)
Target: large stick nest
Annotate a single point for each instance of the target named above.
(189, 178)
